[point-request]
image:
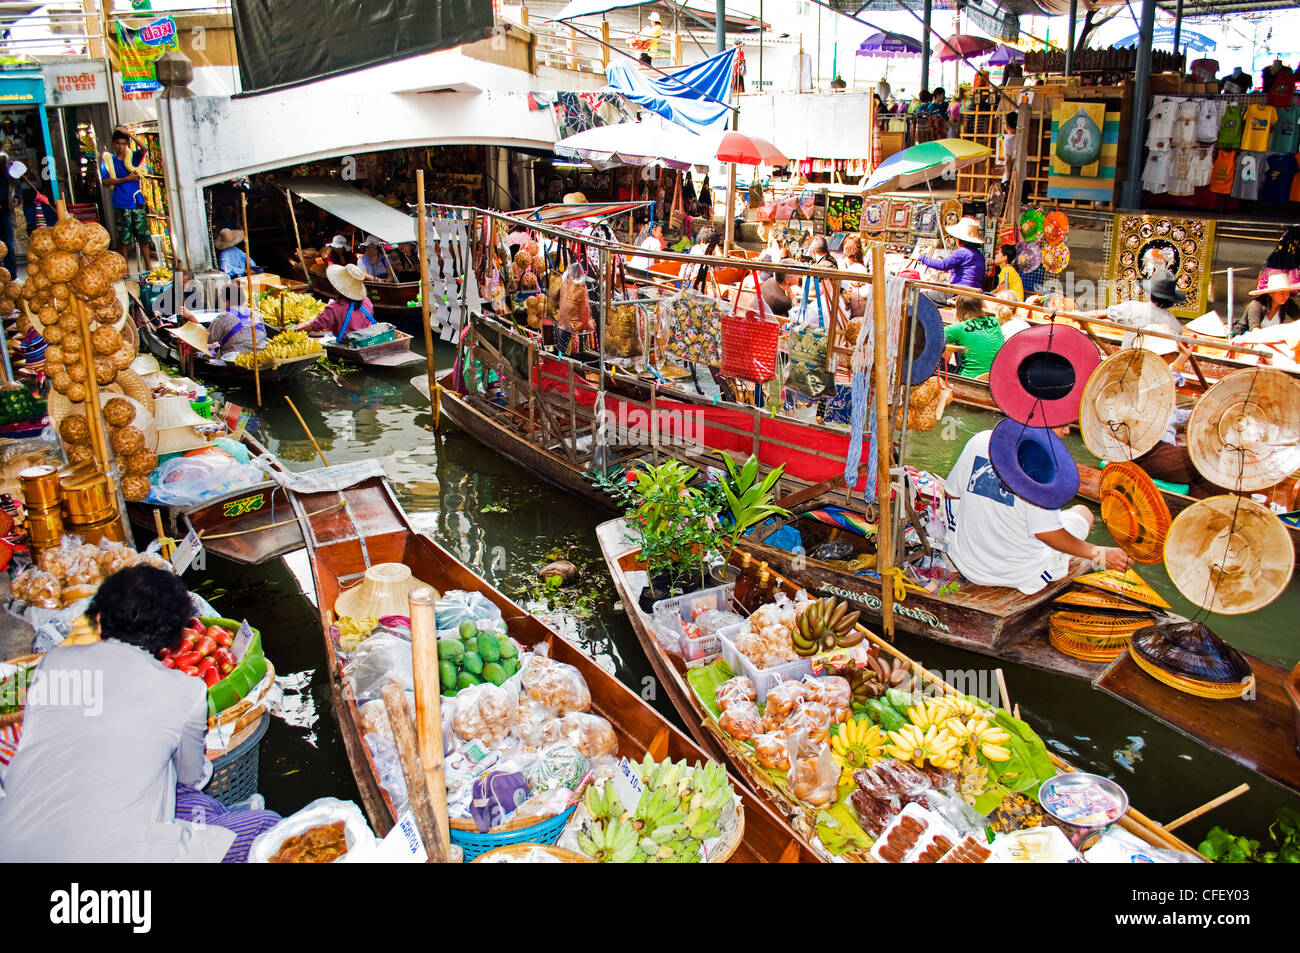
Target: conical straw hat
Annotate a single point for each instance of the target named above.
(1134, 511)
(384, 591)
(171, 412)
(1244, 432)
(1128, 584)
(195, 335)
(1127, 405)
(1228, 554)
(179, 440)
(1096, 599)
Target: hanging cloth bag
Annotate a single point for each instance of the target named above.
(810, 349)
(749, 341)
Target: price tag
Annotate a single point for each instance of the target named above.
(403, 843)
(242, 638)
(187, 553)
(627, 786)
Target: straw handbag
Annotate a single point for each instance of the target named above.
(749, 341)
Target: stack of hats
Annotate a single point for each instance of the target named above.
(1100, 616)
(176, 420)
(147, 366)
(1189, 657)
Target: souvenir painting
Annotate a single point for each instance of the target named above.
(900, 216)
(873, 216)
(1141, 245)
(927, 220)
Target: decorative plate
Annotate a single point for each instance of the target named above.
(1031, 225)
(1056, 257)
(1028, 256)
(1055, 227)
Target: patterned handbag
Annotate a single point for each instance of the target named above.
(623, 326)
(810, 349)
(693, 322)
(749, 341)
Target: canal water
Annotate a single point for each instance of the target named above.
(505, 523)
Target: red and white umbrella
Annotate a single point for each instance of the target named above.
(743, 149)
(964, 46)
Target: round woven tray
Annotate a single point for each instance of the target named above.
(518, 850)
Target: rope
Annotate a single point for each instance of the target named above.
(260, 529)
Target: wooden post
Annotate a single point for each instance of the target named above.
(420, 798)
(884, 523)
(730, 226)
(425, 291)
(570, 46)
(604, 43)
(677, 49)
(248, 285)
(428, 706)
(293, 217)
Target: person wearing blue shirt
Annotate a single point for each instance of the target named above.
(120, 170)
(230, 256)
(372, 260)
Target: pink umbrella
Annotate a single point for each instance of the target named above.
(964, 45)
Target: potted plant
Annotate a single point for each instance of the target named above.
(749, 502)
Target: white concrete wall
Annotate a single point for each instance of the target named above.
(824, 126)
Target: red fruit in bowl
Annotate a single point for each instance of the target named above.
(211, 677)
(206, 645)
(223, 637)
(168, 663)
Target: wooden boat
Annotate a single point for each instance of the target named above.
(342, 541)
(396, 353)
(621, 555)
(392, 300)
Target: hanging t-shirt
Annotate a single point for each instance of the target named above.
(1180, 172)
(1204, 70)
(1184, 133)
(1282, 91)
(1201, 166)
(1286, 135)
(1160, 121)
(1230, 127)
(1280, 173)
(1257, 125)
(1250, 174)
(1155, 174)
(1208, 113)
(1224, 172)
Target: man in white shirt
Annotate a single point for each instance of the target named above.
(1163, 291)
(998, 539)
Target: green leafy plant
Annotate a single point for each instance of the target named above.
(748, 498)
(675, 523)
(1223, 847)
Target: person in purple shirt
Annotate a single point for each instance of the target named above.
(965, 264)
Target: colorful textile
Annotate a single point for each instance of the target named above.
(195, 806)
(844, 519)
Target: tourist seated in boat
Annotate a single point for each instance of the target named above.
(337, 252)
(1163, 294)
(1009, 283)
(1272, 304)
(113, 751)
(373, 262)
(996, 538)
(979, 333)
(352, 311)
(965, 265)
(778, 293)
(230, 254)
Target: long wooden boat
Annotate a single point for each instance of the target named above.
(342, 541)
(396, 353)
(392, 300)
(621, 556)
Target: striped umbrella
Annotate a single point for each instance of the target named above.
(923, 162)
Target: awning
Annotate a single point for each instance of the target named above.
(694, 96)
(355, 207)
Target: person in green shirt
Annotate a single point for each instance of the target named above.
(979, 333)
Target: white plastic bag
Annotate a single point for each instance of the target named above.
(185, 481)
(325, 810)
(458, 605)
(378, 659)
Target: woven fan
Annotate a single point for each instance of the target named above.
(1134, 511)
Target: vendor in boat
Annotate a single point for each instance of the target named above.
(965, 264)
(350, 312)
(373, 261)
(1163, 293)
(113, 752)
(996, 538)
(1273, 304)
(230, 253)
(1009, 284)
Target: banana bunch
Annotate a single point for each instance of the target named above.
(931, 744)
(972, 779)
(891, 673)
(825, 624)
(298, 307)
(965, 721)
(247, 359)
(857, 744)
(293, 344)
(160, 275)
(679, 808)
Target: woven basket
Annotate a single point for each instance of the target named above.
(1215, 691)
(466, 835)
(518, 850)
(1071, 645)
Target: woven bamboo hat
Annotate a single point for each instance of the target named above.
(193, 334)
(173, 412)
(228, 238)
(384, 591)
(1127, 405)
(1244, 433)
(179, 440)
(1134, 511)
(1189, 657)
(1228, 554)
(1277, 281)
(1128, 584)
(348, 280)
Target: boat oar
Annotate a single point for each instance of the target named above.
(417, 790)
(1208, 806)
(248, 283)
(307, 430)
(428, 704)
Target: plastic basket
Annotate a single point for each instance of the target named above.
(234, 774)
(546, 831)
(764, 679)
(688, 607)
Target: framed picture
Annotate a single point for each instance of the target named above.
(900, 216)
(926, 220)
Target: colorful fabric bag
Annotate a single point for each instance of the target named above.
(810, 349)
(749, 341)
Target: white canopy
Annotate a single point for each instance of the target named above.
(356, 208)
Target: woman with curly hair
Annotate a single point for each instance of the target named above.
(113, 750)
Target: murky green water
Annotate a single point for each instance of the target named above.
(505, 523)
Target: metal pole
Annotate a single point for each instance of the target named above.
(1131, 195)
(720, 27)
(420, 235)
(925, 45)
(248, 285)
(1069, 43)
(761, 31)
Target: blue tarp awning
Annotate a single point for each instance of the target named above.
(694, 97)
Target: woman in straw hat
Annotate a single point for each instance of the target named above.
(965, 264)
(230, 256)
(352, 311)
(1272, 305)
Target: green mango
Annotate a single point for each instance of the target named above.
(466, 679)
(472, 663)
(488, 647)
(468, 629)
(508, 647)
(447, 672)
(495, 673)
(511, 665)
(471, 644)
(451, 649)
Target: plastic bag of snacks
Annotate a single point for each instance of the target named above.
(558, 686)
(591, 734)
(734, 691)
(484, 712)
(316, 834)
(742, 721)
(378, 660)
(812, 779)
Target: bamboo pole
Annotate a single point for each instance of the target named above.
(428, 706)
(417, 789)
(1208, 806)
(297, 238)
(884, 525)
(248, 293)
(94, 414)
(307, 430)
(425, 291)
